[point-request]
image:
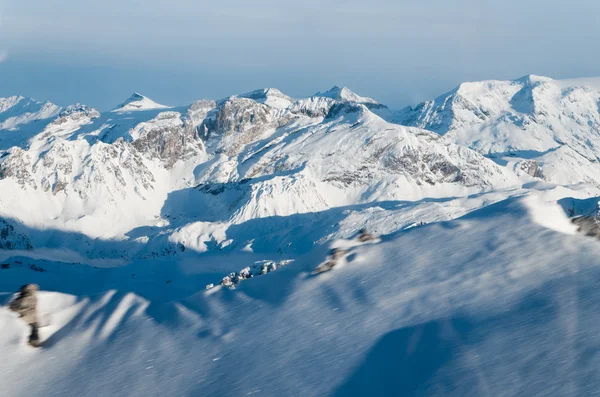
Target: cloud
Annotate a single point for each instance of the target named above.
(3, 56)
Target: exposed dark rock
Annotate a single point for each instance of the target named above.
(240, 121)
(334, 256)
(343, 108)
(587, 225)
(337, 253)
(17, 165)
(232, 280)
(25, 305)
(532, 168)
(325, 267)
(170, 142)
(365, 236)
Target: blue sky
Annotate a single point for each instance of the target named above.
(176, 51)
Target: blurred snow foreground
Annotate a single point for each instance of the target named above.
(323, 246)
(502, 301)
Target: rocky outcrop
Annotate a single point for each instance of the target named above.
(334, 257)
(532, 168)
(169, 137)
(232, 280)
(242, 115)
(312, 107)
(240, 121)
(25, 305)
(16, 164)
(364, 236)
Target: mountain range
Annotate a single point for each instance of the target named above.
(139, 213)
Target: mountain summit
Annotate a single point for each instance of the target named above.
(138, 102)
(344, 94)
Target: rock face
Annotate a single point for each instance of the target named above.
(238, 122)
(25, 305)
(313, 107)
(169, 137)
(16, 164)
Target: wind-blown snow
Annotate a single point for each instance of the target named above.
(459, 318)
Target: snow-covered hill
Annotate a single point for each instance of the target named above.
(128, 219)
(488, 304)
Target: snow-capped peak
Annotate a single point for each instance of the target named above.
(269, 96)
(532, 78)
(138, 102)
(344, 94)
(17, 111)
(7, 103)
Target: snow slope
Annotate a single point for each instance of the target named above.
(496, 309)
(138, 102)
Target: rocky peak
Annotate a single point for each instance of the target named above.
(170, 137)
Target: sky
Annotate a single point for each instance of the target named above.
(177, 51)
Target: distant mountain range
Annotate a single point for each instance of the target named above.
(264, 154)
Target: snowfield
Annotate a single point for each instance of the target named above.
(453, 308)
(176, 247)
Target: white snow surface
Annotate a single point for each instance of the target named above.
(138, 102)
(477, 283)
(487, 304)
(555, 123)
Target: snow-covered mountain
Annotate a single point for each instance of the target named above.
(138, 102)
(548, 128)
(134, 216)
(268, 154)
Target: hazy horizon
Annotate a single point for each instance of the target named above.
(399, 53)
